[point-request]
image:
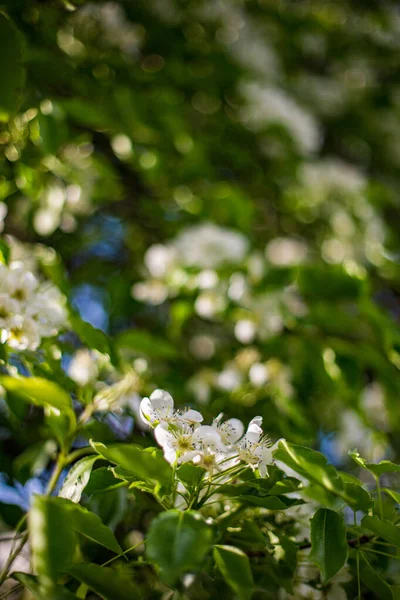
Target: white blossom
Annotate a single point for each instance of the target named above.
(184, 443)
(230, 431)
(160, 259)
(29, 309)
(21, 333)
(220, 446)
(83, 367)
(266, 105)
(209, 246)
(255, 448)
(159, 409)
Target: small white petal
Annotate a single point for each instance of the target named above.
(162, 399)
(256, 421)
(265, 458)
(163, 436)
(170, 454)
(207, 435)
(147, 411)
(232, 430)
(192, 416)
(188, 456)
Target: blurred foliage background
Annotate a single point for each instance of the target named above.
(254, 148)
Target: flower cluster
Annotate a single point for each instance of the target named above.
(189, 262)
(217, 447)
(29, 309)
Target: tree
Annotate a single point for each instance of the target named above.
(199, 298)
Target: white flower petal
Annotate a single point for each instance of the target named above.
(192, 416)
(164, 437)
(188, 456)
(161, 399)
(208, 436)
(170, 454)
(254, 423)
(264, 455)
(147, 412)
(231, 430)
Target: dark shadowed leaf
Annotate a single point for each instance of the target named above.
(108, 583)
(102, 480)
(383, 528)
(374, 581)
(40, 592)
(13, 74)
(235, 568)
(144, 342)
(178, 542)
(328, 542)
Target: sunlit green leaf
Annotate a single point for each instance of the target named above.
(142, 464)
(48, 524)
(77, 479)
(47, 394)
(310, 464)
(377, 469)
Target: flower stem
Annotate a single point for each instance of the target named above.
(79, 453)
(58, 467)
(60, 463)
(378, 491)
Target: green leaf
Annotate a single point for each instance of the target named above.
(309, 464)
(373, 581)
(13, 73)
(37, 390)
(39, 592)
(92, 337)
(77, 478)
(328, 542)
(108, 583)
(143, 342)
(144, 465)
(53, 131)
(357, 497)
(330, 284)
(190, 474)
(102, 480)
(4, 250)
(48, 524)
(383, 528)
(178, 542)
(290, 550)
(235, 569)
(88, 524)
(56, 402)
(89, 113)
(53, 519)
(394, 495)
(377, 469)
(270, 502)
